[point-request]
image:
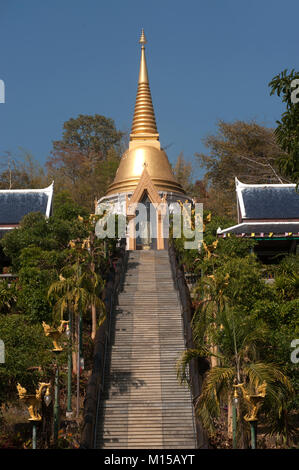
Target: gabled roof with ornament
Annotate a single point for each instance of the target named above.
(267, 201)
(265, 211)
(16, 203)
(145, 184)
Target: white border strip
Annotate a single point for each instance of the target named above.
(48, 191)
(220, 231)
(266, 185)
(240, 186)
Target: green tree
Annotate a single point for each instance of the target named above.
(38, 250)
(93, 136)
(183, 173)
(245, 150)
(244, 325)
(85, 160)
(52, 234)
(21, 172)
(235, 338)
(287, 131)
(279, 309)
(73, 295)
(8, 296)
(27, 355)
(38, 269)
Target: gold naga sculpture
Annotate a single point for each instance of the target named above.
(254, 402)
(55, 333)
(33, 401)
(210, 248)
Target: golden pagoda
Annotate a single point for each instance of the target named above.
(144, 147)
(144, 169)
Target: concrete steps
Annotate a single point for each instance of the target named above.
(142, 405)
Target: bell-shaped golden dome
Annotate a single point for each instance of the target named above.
(144, 148)
(132, 165)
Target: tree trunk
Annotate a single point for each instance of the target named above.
(93, 307)
(229, 416)
(78, 372)
(93, 321)
(214, 360)
(75, 343)
(74, 361)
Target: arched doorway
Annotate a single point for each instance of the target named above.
(147, 194)
(146, 230)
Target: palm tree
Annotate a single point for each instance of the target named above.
(239, 339)
(74, 294)
(93, 251)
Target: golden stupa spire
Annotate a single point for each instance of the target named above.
(144, 123)
(144, 150)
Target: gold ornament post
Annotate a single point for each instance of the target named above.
(55, 334)
(33, 402)
(254, 402)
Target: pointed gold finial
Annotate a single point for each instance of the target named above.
(142, 39)
(144, 122)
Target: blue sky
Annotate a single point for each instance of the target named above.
(207, 60)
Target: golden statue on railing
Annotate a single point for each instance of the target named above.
(55, 333)
(254, 402)
(33, 402)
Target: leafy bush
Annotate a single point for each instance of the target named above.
(26, 346)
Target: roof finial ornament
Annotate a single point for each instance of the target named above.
(144, 123)
(142, 39)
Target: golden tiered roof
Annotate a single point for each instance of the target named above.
(144, 148)
(144, 122)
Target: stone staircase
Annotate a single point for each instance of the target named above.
(143, 406)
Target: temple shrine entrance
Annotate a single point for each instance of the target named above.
(147, 229)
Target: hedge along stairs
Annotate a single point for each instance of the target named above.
(143, 405)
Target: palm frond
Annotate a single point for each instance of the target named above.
(184, 361)
(218, 381)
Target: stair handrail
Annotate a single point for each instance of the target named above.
(195, 376)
